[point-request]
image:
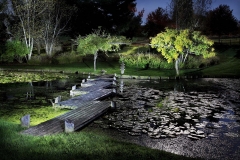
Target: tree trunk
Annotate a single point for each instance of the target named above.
(176, 67)
(30, 49)
(95, 60)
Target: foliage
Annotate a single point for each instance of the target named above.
(54, 21)
(28, 13)
(189, 14)
(182, 13)
(65, 58)
(156, 21)
(176, 45)
(98, 41)
(115, 16)
(221, 21)
(15, 49)
(145, 61)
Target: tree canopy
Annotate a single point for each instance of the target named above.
(114, 16)
(157, 21)
(97, 41)
(176, 45)
(182, 13)
(221, 21)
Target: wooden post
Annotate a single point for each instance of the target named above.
(25, 121)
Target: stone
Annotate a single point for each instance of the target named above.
(57, 99)
(113, 104)
(71, 93)
(69, 126)
(25, 121)
(186, 132)
(74, 87)
(200, 132)
(193, 137)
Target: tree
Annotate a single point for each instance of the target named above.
(54, 20)
(221, 21)
(176, 45)
(182, 13)
(3, 20)
(114, 16)
(200, 8)
(97, 41)
(189, 14)
(156, 21)
(29, 12)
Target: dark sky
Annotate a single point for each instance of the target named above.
(151, 5)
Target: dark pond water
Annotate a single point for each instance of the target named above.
(223, 144)
(221, 124)
(38, 93)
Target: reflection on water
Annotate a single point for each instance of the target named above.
(37, 92)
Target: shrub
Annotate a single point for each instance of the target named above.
(15, 49)
(68, 57)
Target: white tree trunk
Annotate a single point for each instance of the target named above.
(176, 67)
(95, 60)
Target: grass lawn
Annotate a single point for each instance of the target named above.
(229, 65)
(79, 145)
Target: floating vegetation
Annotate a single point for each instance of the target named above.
(12, 77)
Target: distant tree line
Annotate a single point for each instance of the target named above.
(193, 15)
(34, 24)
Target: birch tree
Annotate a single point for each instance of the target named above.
(54, 22)
(29, 12)
(189, 14)
(176, 45)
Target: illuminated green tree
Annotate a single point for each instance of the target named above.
(176, 45)
(97, 41)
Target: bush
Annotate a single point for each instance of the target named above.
(68, 57)
(146, 61)
(15, 49)
(40, 59)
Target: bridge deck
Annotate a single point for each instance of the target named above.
(86, 108)
(80, 116)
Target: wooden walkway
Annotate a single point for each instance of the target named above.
(80, 117)
(95, 91)
(86, 108)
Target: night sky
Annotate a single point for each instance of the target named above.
(151, 5)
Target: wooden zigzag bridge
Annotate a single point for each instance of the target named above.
(85, 108)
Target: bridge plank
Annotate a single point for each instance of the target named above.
(87, 108)
(80, 117)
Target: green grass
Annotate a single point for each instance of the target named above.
(37, 115)
(228, 66)
(79, 145)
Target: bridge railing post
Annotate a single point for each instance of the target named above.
(69, 126)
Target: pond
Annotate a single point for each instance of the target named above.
(191, 117)
(196, 118)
